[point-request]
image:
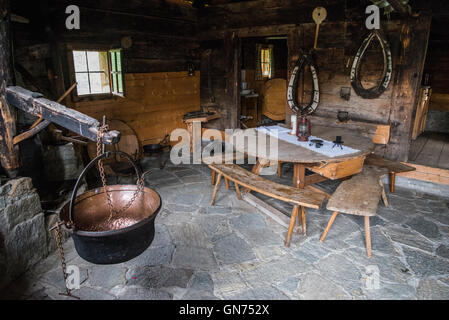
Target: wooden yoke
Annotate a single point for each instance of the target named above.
(9, 154)
(52, 111)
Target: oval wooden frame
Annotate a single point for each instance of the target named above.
(375, 91)
(292, 88)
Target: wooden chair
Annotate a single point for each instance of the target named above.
(299, 198)
(358, 196)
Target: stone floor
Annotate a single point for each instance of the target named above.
(232, 251)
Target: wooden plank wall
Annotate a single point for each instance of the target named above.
(340, 36)
(154, 103)
(158, 91)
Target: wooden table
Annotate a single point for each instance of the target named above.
(194, 126)
(324, 167)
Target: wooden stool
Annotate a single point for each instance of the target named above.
(360, 196)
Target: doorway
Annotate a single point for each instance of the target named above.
(263, 80)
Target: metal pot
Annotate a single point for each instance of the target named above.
(155, 147)
(100, 240)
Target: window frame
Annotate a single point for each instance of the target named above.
(266, 63)
(111, 71)
(94, 96)
(259, 76)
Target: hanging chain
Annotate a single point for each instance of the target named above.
(140, 182)
(57, 227)
(58, 240)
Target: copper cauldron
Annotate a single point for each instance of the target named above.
(101, 240)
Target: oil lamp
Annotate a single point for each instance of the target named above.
(303, 130)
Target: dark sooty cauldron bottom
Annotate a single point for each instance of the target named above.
(102, 241)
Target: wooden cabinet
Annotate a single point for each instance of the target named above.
(250, 108)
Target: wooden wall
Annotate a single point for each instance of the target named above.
(154, 103)
(164, 39)
(340, 36)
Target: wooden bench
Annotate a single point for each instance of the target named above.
(359, 196)
(299, 198)
(221, 159)
(393, 167)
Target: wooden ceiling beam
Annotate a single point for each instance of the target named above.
(402, 9)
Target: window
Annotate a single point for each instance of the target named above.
(98, 72)
(116, 72)
(265, 62)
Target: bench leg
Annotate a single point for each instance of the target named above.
(279, 169)
(213, 177)
(237, 190)
(217, 185)
(368, 237)
(392, 181)
(226, 183)
(329, 225)
(291, 226)
(303, 220)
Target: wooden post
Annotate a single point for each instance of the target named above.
(9, 154)
(408, 70)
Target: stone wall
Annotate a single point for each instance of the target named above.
(23, 236)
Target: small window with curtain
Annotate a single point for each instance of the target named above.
(264, 63)
(98, 72)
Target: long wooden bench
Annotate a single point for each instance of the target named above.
(359, 196)
(299, 198)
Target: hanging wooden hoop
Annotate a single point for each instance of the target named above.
(292, 89)
(375, 91)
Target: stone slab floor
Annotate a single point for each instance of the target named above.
(232, 251)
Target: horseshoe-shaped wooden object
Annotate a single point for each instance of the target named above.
(292, 89)
(375, 91)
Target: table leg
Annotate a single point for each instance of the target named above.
(299, 179)
(258, 166)
(299, 175)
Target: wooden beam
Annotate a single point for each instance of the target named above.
(268, 210)
(401, 8)
(409, 65)
(314, 178)
(70, 119)
(9, 154)
(28, 134)
(425, 173)
(379, 133)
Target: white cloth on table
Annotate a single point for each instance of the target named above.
(328, 149)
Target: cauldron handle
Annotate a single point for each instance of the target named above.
(89, 165)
